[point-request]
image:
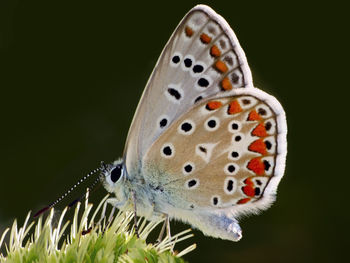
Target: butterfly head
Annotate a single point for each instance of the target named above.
(113, 177)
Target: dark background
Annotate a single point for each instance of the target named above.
(72, 73)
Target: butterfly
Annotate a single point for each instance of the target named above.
(205, 146)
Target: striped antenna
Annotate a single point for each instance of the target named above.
(69, 191)
(92, 186)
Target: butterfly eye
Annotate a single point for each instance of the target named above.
(116, 173)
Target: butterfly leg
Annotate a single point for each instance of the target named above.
(135, 215)
(218, 224)
(115, 203)
(166, 224)
(111, 216)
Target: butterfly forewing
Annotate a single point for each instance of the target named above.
(202, 59)
(222, 153)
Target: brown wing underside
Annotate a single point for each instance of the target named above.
(221, 153)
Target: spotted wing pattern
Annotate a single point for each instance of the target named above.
(226, 152)
(202, 59)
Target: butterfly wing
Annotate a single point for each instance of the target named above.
(202, 59)
(226, 153)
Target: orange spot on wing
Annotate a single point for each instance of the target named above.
(213, 105)
(205, 38)
(221, 66)
(257, 166)
(260, 130)
(243, 201)
(248, 181)
(258, 146)
(226, 84)
(215, 51)
(234, 107)
(188, 31)
(254, 116)
(248, 190)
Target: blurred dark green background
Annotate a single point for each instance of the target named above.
(71, 75)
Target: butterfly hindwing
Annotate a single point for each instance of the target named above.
(225, 153)
(202, 59)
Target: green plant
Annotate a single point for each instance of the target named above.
(109, 239)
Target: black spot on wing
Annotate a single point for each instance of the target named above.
(173, 92)
(163, 123)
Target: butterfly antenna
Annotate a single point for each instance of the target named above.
(68, 192)
(92, 186)
(103, 167)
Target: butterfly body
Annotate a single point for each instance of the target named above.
(153, 202)
(205, 146)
